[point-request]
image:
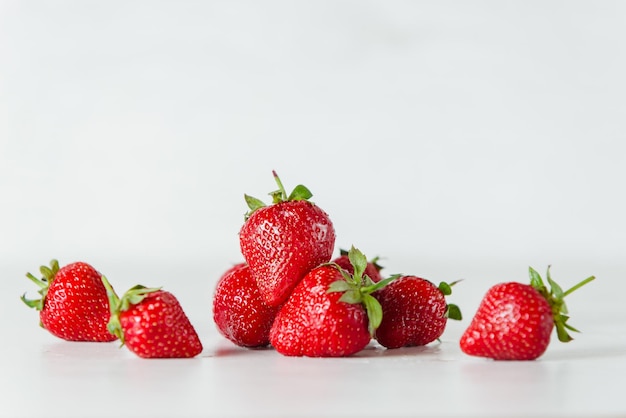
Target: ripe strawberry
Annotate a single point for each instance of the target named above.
(73, 304)
(372, 270)
(415, 312)
(239, 312)
(330, 313)
(284, 241)
(514, 320)
(151, 323)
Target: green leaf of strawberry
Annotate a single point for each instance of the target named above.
(358, 288)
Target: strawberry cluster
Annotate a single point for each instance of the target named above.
(289, 293)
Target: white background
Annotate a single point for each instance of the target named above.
(455, 139)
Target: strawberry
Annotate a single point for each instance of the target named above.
(514, 320)
(151, 323)
(284, 241)
(73, 304)
(415, 312)
(239, 312)
(372, 270)
(331, 313)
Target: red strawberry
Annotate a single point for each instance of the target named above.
(514, 320)
(239, 312)
(284, 241)
(330, 313)
(372, 270)
(151, 323)
(73, 304)
(415, 312)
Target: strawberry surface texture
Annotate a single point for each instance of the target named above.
(285, 240)
(239, 312)
(314, 323)
(73, 304)
(151, 323)
(514, 321)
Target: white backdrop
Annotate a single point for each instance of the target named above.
(447, 131)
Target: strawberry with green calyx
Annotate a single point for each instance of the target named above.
(73, 303)
(514, 320)
(415, 312)
(331, 313)
(151, 323)
(372, 270)
(285, 240)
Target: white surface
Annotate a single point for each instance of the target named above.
(584, 378)
(456, 139)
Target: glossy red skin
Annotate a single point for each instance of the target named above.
(513, 322)
(413, 313)
(157, 327)
(314, 323)
(76, 307)
(239, 311)
(371, 270)
(283, 242)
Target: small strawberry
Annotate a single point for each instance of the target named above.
(372, 270)
(284, 241)
(151, 323)
(73, 304)
(239, 312)
(514, 320)
(331, 313)
(415, 312)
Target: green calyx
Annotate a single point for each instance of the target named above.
(373, 261)
(357, 288)
(300, 192)
(117, 305)
(555, 297)
(452, 310)
(48, 274)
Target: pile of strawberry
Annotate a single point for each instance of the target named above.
(289, 293)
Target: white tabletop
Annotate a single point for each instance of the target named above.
(45, 376)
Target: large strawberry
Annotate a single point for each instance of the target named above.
(151, 323)
(284, 241)
(239, 312)
(73, 303)
(331, 313)
(415, 312)
(372, 270)
(514, 321)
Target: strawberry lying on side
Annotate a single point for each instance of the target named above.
(514, 320)
(284, 241)
(151, 323)
(415, 312)
(331, 313)
(239, 311)
(73, 304)
(372, 270)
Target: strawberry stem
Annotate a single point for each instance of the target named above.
(579, 285)
(280, 194)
